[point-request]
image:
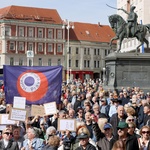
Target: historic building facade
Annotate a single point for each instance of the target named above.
(39, 30)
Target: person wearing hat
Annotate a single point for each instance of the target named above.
(105, 140)
(130, 141)
(83, 137)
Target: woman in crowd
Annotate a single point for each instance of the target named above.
(119, 145)
(144, 141)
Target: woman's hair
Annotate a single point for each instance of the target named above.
(130, 111)
(101, 123)
(54, 141)
(143, 128)
(83, 130)
(119, 144)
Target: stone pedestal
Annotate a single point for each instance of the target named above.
(128, 69)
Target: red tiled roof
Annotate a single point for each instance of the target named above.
(30, 14)
(91, 32)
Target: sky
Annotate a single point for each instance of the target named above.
(87, 11)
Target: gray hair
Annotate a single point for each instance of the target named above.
(50, 129)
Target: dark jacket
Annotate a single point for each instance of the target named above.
(114, 120)
(48, 147)
(11, 145)
(102, 142)
(88, 147)
(132, 143)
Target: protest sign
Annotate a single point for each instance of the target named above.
(19, 102)
(50, 108)
(4, 119)
(67, 124)
(17, 114)
(37, 110)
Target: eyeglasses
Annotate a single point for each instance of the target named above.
(8, 133)
(143, 132)
(131, 127)
(130, 119)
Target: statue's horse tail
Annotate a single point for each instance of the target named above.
(148, 26)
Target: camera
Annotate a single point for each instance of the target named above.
(67, 144)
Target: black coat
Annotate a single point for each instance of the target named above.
(132, 143)
(88, 147)
(48, 147)
(11, 145)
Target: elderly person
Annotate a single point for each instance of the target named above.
(32, 142)
(6, 143)
(130, 141)
(144, 141)
(49, 132)
(53, 143)
(17, 136)
(83, 136)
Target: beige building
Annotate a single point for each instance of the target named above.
(143, 12)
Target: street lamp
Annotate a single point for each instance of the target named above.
(67, 24)
(104, 70)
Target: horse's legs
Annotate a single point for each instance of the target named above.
(147, 42)
(142, 42)
(120, 43)
(114, 38)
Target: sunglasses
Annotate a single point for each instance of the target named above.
(143, 132)
(8, 133)
(130, 119)
(121, 129)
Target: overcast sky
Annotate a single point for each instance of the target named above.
(88, 11)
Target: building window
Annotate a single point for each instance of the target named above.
(40, 61)
(40, 33)
(7, 31)
(98, 51)
(40, 47)
(88, 63)
(77, 63)
(69, 62)
(12, 46)
(59, 47)
(59, 34)
(20, 61)
(95, 51)
(21, 31)
(88, 51)
(30, 32)
(50, 33)
(97, 64)
(84, 51)
(49, 62)
(105, 52)
(69, 50)
(59, 62)
(84, 63)
(30, 46)
(50, 49)
(21, 46)
(94, 64)
(11, 61)
(77, 50)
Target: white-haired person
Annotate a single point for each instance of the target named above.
(32, 142)
(50, 131)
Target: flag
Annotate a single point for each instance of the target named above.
(38, 84)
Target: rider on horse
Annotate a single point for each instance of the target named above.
(132, 21)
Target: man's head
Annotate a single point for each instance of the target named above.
(122, 129)
(146, 109)
(108, 129)
(7, 134)
(83, 136)
(120, 111)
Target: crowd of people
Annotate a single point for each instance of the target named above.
(105, 120)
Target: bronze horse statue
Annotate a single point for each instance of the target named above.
(119, 25)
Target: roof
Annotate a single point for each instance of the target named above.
(30, 14)
(91, 32)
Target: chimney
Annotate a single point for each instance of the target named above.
(99, 24)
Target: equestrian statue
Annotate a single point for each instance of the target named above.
(129, 29)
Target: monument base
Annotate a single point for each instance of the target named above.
(128, 70)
